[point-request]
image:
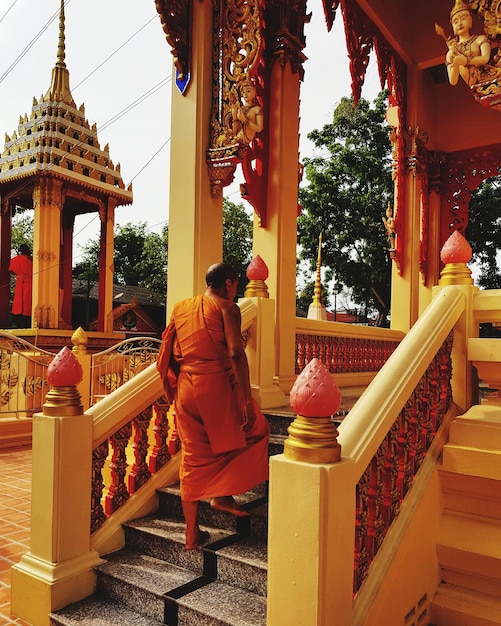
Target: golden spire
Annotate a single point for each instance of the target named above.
(59, 90)
(317, 297)
(317, 309)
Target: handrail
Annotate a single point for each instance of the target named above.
(341, 329)
(360, 496)
(136, 394)
(376, 410)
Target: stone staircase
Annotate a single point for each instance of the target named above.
(153, 580)
(469, 546)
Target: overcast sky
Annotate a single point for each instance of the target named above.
(120, 68)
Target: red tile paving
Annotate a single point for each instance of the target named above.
(15, 509)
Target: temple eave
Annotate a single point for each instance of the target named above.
(123, 196)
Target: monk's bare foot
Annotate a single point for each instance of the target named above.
(228, 504)
(197, 541)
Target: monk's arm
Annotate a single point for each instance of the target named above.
(240, 365)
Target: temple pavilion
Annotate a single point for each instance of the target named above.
(388, 515)
(53, 164)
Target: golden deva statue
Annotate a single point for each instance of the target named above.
(389, 223)
(246, 113)
(469, 54)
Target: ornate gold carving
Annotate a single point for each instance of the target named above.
(46, 255)
(8, 377)
(236, 111)
(80, 340)
(285, 38)
(415, 141)
(175, 19)
(45, 316)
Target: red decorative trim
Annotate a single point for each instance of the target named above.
(462, 173)
(391, 472)
(343, 354)
(140, 472)
(175, 17)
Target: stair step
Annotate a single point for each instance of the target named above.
(470, 544)
(177, 596)
(219, 604)
(254, 501)
(164, 539)
(243, 564)
(99, 611)
(456, 606)
(472, 461)
(141, 582)
(471, 494)
(479, 427)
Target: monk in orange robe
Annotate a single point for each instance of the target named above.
(224, 436)
(22, 266)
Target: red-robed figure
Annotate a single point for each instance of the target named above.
(22, 266)
(224, 436)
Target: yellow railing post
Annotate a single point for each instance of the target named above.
(58, 569)
(261, 343)
(310, 568)
(456, 253)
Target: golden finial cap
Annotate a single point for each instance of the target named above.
(460, 5)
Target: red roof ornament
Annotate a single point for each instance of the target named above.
(456, 249)
(257, 269)
(315, 394)
(64, 370)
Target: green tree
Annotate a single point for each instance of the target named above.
(140, 258)
(484, 231)
(349, 188)
(237, 240)
(22, 229)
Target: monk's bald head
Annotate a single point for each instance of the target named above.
(218, 274)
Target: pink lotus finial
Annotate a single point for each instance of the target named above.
(257, 269)
(315, 394)
(64, 369)
(456, 249)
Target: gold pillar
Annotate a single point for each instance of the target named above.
(47, 202)
(276, 244)
(106, 268)
(195, 218)
(406, 285)
(5, 251)
(58, 569)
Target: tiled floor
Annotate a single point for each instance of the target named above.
(15, 508)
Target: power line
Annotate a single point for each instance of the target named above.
(5, 14)
(31, 43)
(114, 52)
(151, 159)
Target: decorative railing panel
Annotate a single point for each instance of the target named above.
(116, 365)
(343, 354)
(127, 459)
(391, 472)
(23, 376)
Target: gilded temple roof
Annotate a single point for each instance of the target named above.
(56, 139)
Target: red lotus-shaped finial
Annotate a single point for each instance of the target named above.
(456, 249)
(64, 369)
(315, 394)
(257, 269)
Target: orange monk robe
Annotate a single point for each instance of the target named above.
(22, 266)
(218, 458)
